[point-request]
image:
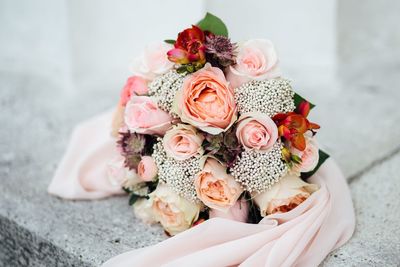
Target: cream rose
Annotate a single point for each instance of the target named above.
(183, 142)
(147, 169)
(153, 61)
(142, 209)
(256, 60)
(175, 213)
(256, 130)
(142, 115)
(215, 187)
(206, 101)
(309, 157)
(285, 195)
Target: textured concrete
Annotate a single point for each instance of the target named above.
(376, 241)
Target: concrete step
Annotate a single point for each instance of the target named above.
(359, 129)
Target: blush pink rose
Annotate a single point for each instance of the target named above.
(183, 142)
(256, 60)
(309, 156)
(206, 101)
(215, 187)
(142, 115)
(153, 61)
(134, 85)
(256, 130)
(239, 212)
(147, 169)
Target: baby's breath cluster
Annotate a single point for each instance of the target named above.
(268, 96)
(179, 175)
(257, 171)
(164, 87)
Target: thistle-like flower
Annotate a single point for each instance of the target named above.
(220, 52)
(132, 146)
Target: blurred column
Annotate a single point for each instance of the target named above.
(368, 36)
(34, 38)
(107, 35)
(304, 32)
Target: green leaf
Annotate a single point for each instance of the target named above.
(213, 24)
(133, 198)
(298, 99)
(322, 158)
(170, 41)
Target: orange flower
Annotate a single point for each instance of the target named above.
(292, 126)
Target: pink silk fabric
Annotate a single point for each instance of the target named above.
(301, 237)
(82, 172)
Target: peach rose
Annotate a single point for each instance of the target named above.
(239, 212)
(215, 188)
(206, 101)
(147, 169)
(175, 213)
(143, 116)
(183, 142)
(153, 61)
(134, 85)
(256, 130)
(285, 195)
(309, 156)
(256, 60)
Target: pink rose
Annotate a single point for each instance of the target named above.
(256, 60)
(256, 130)
(134, 85)
(284, 195)
(147, 169)
(153, 61)
(143, 116)
(239, 212)
(216, 188)
(206, 101)
(309, 156)
(183, 142)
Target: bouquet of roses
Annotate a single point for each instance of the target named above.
(210, 128)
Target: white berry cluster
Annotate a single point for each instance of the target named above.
(164, 87)
(257, 171)
(179, 175)
(268, 96)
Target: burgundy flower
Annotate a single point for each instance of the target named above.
(220, 52)
(189, 47)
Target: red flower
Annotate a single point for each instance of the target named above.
(293, 125)
(189, 47)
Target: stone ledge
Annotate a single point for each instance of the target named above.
(376, 241)
(21, 247)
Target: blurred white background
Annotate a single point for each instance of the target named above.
(90, 43)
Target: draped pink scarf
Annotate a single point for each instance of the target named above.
(301, 237)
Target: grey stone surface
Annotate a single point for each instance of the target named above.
(37, 118)
(376, 241)
(38, 115)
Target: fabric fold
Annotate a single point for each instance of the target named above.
(303, 236)
(82, 172)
